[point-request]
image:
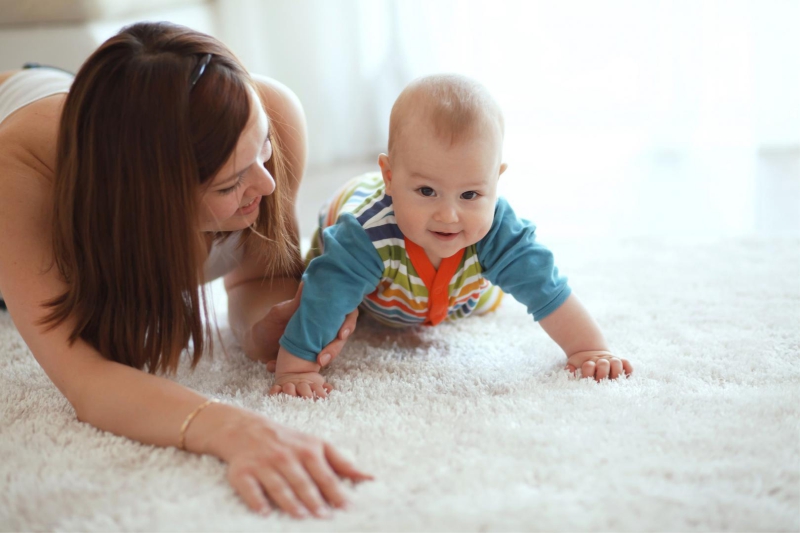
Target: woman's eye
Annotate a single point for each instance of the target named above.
(233, 187)
(426, 191)
(469, 195)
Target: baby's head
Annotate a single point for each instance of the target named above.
(445, 156)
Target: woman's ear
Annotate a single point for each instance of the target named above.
(386, 171)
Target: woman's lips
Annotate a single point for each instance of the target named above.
(249, 208)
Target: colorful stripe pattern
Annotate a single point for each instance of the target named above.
(403, 296)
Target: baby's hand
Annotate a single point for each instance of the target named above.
(297, 377)
(304, 384)
(599, 364)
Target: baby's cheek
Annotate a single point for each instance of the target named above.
(481, 231)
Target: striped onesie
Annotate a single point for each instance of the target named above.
(359, 257)
(411, 292)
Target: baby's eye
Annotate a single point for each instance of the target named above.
(426, 191)
(469, 195)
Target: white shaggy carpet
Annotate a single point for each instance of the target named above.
(475, 426)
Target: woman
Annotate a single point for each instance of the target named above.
(164, 165)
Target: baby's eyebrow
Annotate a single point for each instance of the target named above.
(421, 176)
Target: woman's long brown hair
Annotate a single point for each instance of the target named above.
(136, 144)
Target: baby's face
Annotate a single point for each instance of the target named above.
(443, 196)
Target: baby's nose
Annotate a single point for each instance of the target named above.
(447, 215)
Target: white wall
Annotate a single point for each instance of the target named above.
(67, 45)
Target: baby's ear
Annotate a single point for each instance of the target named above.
(503, 167)
(386, 171)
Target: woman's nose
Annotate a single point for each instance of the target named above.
(265, 183)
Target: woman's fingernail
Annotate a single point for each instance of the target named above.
(324, 359)
(345, 333)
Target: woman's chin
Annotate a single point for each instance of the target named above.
(234, 223)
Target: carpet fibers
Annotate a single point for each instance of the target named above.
(475, 426)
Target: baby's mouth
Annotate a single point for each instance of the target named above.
(445, 236)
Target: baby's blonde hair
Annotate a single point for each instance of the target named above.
(457, 107)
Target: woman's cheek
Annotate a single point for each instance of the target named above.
(225, 210)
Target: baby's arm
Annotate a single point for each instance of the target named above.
(518, 264)
(573, 328)
(334, 285)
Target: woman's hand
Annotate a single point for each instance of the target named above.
(273, 465)
(269, 330)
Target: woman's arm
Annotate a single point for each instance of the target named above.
(298, 471)
(251, 295)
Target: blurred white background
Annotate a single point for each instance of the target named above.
(645, 117)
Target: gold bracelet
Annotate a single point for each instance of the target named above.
(182, 445)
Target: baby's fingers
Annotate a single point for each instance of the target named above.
(627, 367)
(290, 389)
(304, 390)
(276, 389)
(603, 367)
(616, 368)
(587, 369)
(319, 390)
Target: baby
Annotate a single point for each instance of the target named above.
(428, 240)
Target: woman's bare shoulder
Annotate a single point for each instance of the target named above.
(28, 139)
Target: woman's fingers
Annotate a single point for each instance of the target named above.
(342, 466)
(250, 490)
(349, 325)
(326, 480)
(289, 307)
(329, 352)
(304, 488)
(278, 489)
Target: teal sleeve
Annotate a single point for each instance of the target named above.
(334, 284)
(513, 260)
